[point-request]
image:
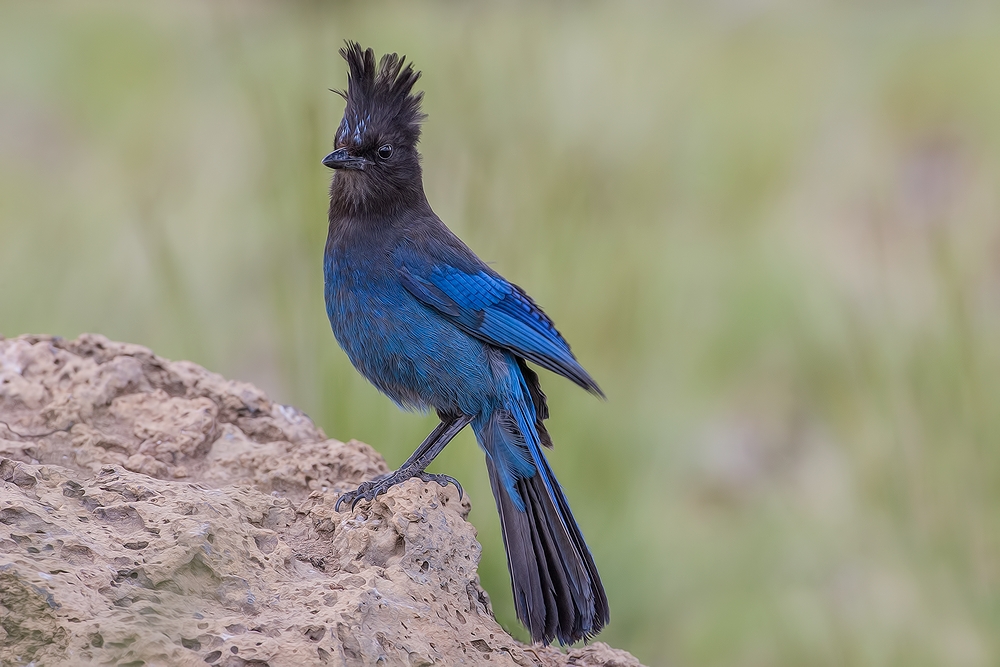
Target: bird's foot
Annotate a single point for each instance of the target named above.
(376, 487)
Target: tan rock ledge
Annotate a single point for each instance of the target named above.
(154, 513)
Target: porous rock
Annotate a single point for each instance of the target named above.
(154, 513)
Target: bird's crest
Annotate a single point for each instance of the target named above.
(379, 96)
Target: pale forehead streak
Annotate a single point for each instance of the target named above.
(360, 126)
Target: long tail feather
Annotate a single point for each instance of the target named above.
(557, 591)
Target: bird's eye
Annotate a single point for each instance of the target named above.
(385, 152)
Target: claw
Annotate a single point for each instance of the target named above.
(443, 480)
(367, 491)
(358, 499)
(372, 489)
(336, 508)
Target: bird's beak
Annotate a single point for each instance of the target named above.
(341, 159)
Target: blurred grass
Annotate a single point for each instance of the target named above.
(769, 230)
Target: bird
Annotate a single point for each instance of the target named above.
(433, 327)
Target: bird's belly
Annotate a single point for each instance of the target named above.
(411, 354)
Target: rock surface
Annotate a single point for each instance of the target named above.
(154, 513)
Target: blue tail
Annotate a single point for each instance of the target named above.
(557, 591)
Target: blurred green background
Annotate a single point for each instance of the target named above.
(770, 230)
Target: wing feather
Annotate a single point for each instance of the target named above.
(498, 312)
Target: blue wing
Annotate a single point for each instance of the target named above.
(495, 311)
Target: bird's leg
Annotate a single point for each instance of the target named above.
(414, 466)
(429, 441)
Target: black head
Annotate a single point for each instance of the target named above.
(376, 144)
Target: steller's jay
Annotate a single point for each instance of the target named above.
(432, 326)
